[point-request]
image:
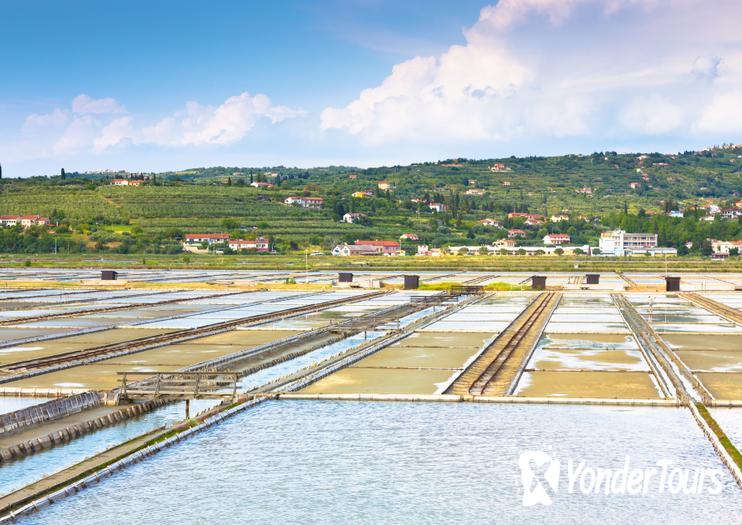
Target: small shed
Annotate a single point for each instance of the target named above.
(672, 284)
(108, 275)
(345, 277)
(411, 282)
(592, 278)
(538, 282)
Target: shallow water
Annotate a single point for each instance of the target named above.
(352, 462)
(19, 473)
(11, 404)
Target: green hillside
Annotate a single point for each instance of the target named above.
(597, 191)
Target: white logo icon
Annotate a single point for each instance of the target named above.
(539, 473)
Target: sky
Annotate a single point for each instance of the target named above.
(161, 85)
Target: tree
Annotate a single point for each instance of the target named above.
(62, 174)
(559, 251)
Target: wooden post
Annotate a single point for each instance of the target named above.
(188, 408)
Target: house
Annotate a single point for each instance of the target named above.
(491, 223)
(713, 209)
(533, 221)
(438, 207)
(24, 220)
(585, 190)
(556, 239)
(208, 238)
(424, 251)
(676, 214)
(731, 213)
(257, 184)
(385, 185)
(475, 191)
(634, 185)
(504, 243)
(620, 243)
(560, 217)
(127, 182)
(351, 218)
(362, 194)
(512, 234)
(383, 247)
(350, 250)
(724, 247)
(409, 237)
(260, 244)
(367, 248)
(314, 203)
(498, 167)
(506, 183)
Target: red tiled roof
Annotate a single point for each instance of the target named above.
(207, 236)
(389, 244)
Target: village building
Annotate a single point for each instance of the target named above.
(127, 182)
(556, 239)
(438, 207)
(362, 194)
(258, 184)
(314, 203)
(24, 220)
(490, 223)
(620, 243)
(560, 217)
(409, 237)
(724, 248)
(261, 244)
(208, 238)
(512, 234)
(364, 247)
(352, 218)
(475, 191)
(385, 185)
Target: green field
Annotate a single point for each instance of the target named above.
(595, 191)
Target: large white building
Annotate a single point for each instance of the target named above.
(620, 243)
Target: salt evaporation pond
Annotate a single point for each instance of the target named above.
(11, 404)
(20, 473)
(365, 462)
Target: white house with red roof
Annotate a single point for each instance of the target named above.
(261, 244)
(208, 238)
(314, 203)
(556, 239)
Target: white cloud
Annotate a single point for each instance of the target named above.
(114, 133)
(80, 134)
(93, 125)
(83, 104)
(604, 73)
(652, 115)
(40, 122)
(507, 12)
(224, 124)
(722, 114)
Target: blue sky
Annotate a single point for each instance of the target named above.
(161, 85)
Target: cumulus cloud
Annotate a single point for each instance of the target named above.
(534, 68)
(83, 105)
(39, 122)
(97, 125)
(224, 124)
